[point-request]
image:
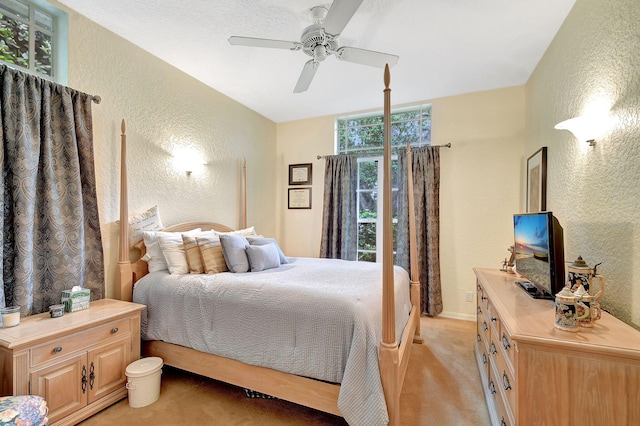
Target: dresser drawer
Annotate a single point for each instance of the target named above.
(504, 378)
(483, 300)
(482, 356)
(484, 331)
(508, 347)
(503, 414)
(80, 341)
(493, 318)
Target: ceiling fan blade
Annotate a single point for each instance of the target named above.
(366, 57)
(339, 15)
(306, 76)
(263, 42)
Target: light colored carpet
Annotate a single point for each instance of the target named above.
(442, 387)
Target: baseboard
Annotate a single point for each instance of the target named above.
(459, 316)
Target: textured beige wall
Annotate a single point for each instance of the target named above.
(164, 109)
(591, 66)
(480, 183)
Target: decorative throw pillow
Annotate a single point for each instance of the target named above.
(154, 257)
(260, 241)
(192, 251)
(263, 257)
(146, 221)
(233, 248)
(173, 251)
(212, 256)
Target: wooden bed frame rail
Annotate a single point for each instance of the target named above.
(394, 357)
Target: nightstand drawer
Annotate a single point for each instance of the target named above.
(67, 345)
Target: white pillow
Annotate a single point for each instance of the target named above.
(154, 257)
(146, 221)
(250, 231)
(173, 250)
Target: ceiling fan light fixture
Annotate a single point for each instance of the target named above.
(320, 53)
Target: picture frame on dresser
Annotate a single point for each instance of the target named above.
(537, 181)
(300, 174)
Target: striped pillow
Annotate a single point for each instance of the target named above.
(212, 256)
(194, 258)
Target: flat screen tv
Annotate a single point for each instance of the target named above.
(539, 253)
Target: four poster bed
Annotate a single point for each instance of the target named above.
(286, 342)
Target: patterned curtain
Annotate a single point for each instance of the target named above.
(49, 229)
(426, 187)
(339, 218)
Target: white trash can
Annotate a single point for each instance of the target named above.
(143, 381)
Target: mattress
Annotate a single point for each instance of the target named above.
(317, 318)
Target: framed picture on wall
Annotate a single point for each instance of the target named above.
(300, 174)
(299, 198)
(537, 181)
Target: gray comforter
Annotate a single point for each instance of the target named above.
(318, 318)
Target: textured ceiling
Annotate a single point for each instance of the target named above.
(446, 47)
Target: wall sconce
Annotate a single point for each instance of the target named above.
(188, 160)
(585, 128)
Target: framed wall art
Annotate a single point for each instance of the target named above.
(537, 181)
(300, 174)
(299, 198)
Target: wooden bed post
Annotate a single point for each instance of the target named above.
(124, 284)
(389, 356)
(244, 193)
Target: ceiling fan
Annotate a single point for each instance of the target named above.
(320, 40)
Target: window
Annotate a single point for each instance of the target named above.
(33, 38)
(364, 135)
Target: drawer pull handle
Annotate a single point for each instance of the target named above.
(484, 359)
(479, 310)
(485, 326)
(478, 287)
(492, 387)
(494, 350)
(478, 338)
(92, 375)
(57, 349)
(114, 330)
(84, 379)
(494, 319)
(485, 298)
(505, 381)
(503, 422)
(505, 342)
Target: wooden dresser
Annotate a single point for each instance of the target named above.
(534, 374)
(76, 362)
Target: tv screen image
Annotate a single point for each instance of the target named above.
(539, 252)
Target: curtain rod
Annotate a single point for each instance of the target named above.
(96, 99)
(446, 145)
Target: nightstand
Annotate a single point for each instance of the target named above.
(76, 362)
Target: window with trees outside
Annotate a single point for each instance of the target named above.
(364, 136)
(33, 38)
